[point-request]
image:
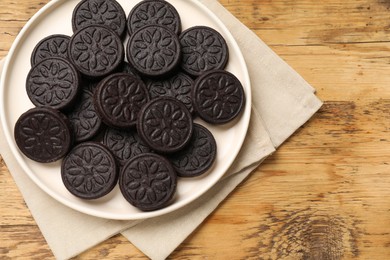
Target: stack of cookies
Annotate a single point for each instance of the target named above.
(117, 101)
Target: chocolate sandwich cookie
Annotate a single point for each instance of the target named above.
(154, 51)
(165, 124)
(178, 86)
(43, 134)
(125, 144)
(52, 46)
(103, 12)
(198, 156)
(85, 121)
(89, 171)
(148, 182)
(119, 98)
(218, 97)
(203, 49)
(153, 12)
(54, 83)
(96, 51)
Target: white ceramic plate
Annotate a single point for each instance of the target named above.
(55, 18)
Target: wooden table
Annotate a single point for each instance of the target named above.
(325, 194)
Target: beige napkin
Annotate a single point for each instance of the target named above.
(282, 102)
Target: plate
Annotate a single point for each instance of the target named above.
(55, 18)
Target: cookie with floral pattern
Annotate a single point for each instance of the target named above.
(218, 97)
(89, 171)
(149, 12)
(118, 100)
(203, 49)
(165, 124)
(55, 45)
(96, 51)
(148, 182)
(104, 12)
(198, 156)
(154, 51)
(54, 83)
(43, 134)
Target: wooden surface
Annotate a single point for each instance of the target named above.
(325, 194)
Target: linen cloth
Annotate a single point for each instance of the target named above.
(282, 102)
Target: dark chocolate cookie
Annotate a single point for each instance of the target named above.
(218, 97)
(54, 83)
(203, 49)
(198, 156)
(178, 86)
(153, 12)
(125, 144)
(119, 98)
(85, 121)
(96, 51)
(43, 134)
(154, 51)
(103, 12)
(52, 46)
(89, 171)
(148, 182)
(165, 124)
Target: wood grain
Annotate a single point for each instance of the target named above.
(325, 193)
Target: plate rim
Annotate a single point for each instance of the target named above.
(246, 115)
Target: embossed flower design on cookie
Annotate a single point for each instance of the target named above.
(172, 124)
(103, 12)
(89, 171)
(55, 45)
(155, 50)
(54, 83)
(122, 99)
(165, 124)
(148, 181)
(146, 178)
(203, 49)
(119, 99)
(170, 127)
(43, 134)
(35, 131)
(219, 96)
(96, 50)
(154, 12)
